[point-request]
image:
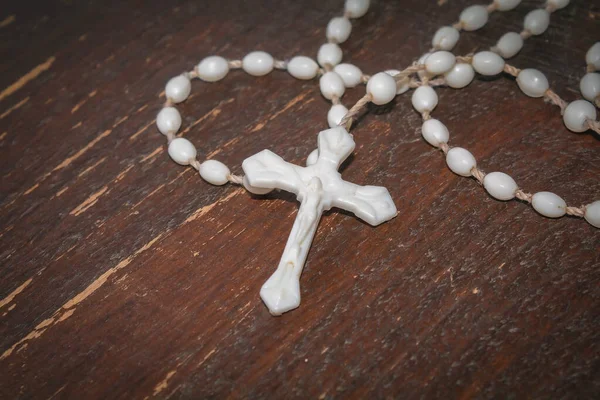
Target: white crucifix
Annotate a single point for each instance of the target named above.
(318, 186)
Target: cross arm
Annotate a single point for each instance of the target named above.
(372, 204)
(269, 171)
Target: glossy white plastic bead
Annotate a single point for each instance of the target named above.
(592, 213)
(590, 86)
(335, 115)
(532, 82)
(558, 4)
(331, 85)
(214, 172)
(350, 74)
(460, 161)
(382, 88)
(182, 151)
(488, 63)
(509, 44)
(338, 29)
(258, 63)
(178, 88)
(424, 99)
(500, 185)
(473, 17)
(435, 132)
(548, 204)
(592, 57)
(537, 21)
(445, 38)
(168, 120)
(399, 88)
(577, 113)
(460, 76)
(329, 53)
(301, 67)
(440, 62)
(356, 8)
(254, 189)
(312, 158)
(505, 5)
(212, 69)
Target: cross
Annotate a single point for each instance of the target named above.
(318, 186)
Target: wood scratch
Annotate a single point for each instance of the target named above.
(67, 161)
(210, 353)
(14, 293)
(162, 385)
(22, 81)
(138, 133)
(119, 122)
(87, 203)
(122, 174)
(7, 21)
(3, 135)
(203, 210)
(290, 104)
(149, 195)
(82, 102)
(77, 125)
(151, 155)
(91, 167)
(211, 114)
(13, 108)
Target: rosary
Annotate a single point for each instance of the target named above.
(319, 186)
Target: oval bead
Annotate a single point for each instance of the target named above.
(473, 17)
(338, 29)
(500, 185)
(254, 189)
(440, 62)
(168, 120)
(488, 63)
(258, 63)
(592, 57)
(576, 114)
(356, 8)
(548, 204)
(178, 89)
(424, 99)
(382, 88)
(312, 158)
(532, 82)
(509, 44)
(350, 74)
(212, 69)
(331, 85)
(558, 4)
(329, 53)
(435, 132)
(301, 67)
(537, 21)
(182, 151)
(335, 115)
(445, 38)
(460, 75)
(590, 86)
(592, 213)
(505, 5)
(460, 161)
(214, 172)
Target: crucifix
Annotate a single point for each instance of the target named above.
(319, 187)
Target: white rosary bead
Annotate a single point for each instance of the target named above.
(331, 85)
(445, 38)
(460, 161)
(424, 99)
(382, 88)
(335, 115)
(182, 151)
(592, 57)
(537, 21)
(592, 213)
(258, 63)
(212, 69)
(168, 120)
(505, 5)
(254, 189)
(558, 4)
(356, 8)
(435, 132)
(350, 74)
(329, 53)
(178, 88)
(590, 86)
(312, 158)
(440, 62)
(338, 29)
(500, 185)
(460, 76)
(577, 113)
(488, 63)
(214, 172)
(473, 17)
(549, 204)
(509, 44)
(532, 82)
(402, 88)
(301, 67)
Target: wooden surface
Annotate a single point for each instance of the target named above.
(125, 275)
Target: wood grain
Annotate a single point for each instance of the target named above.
(126, 276)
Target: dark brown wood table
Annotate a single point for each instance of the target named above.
(124, 275)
